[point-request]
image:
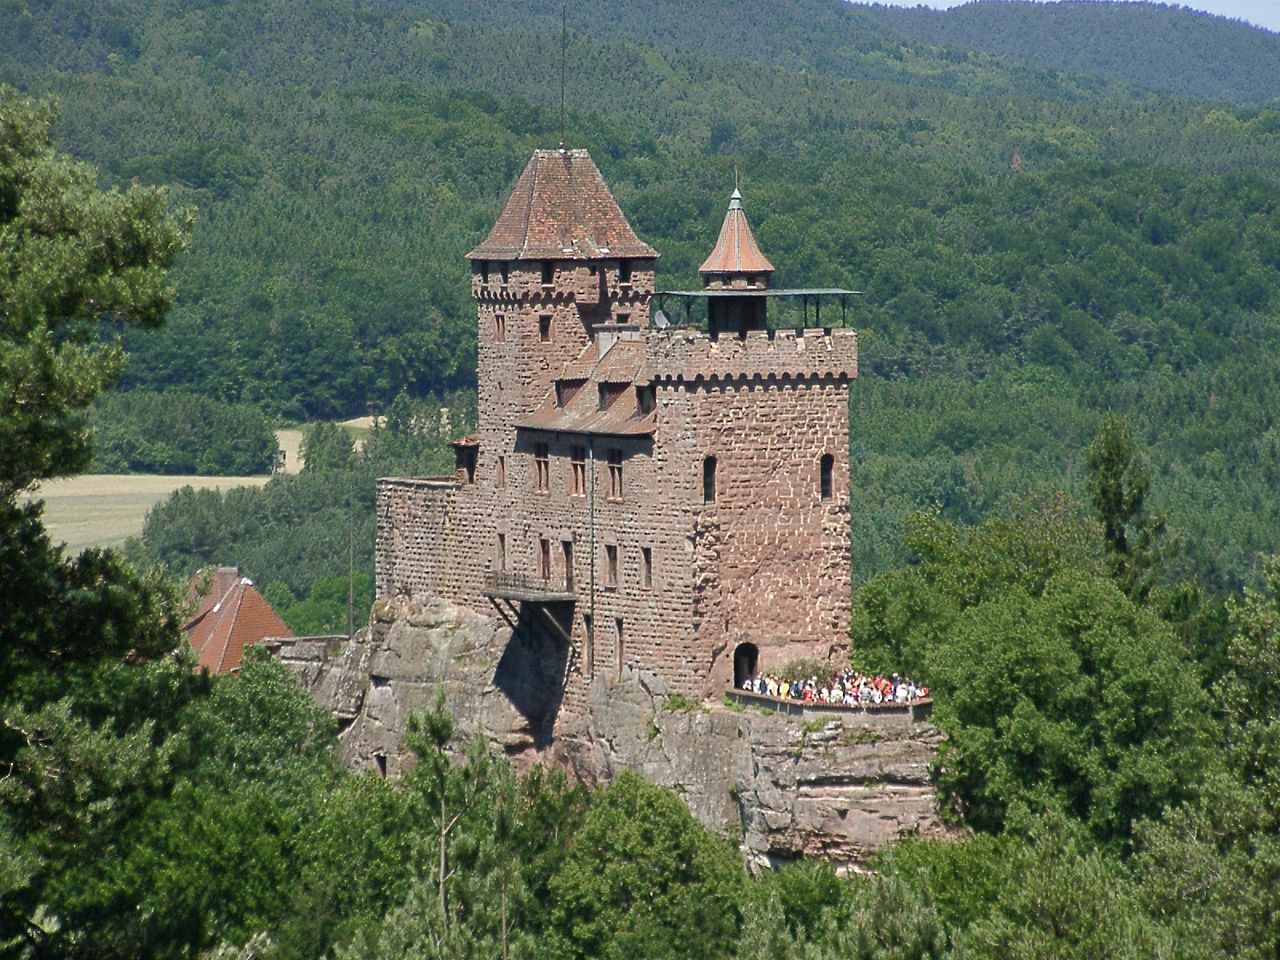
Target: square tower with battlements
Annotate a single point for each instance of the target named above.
(636, 494)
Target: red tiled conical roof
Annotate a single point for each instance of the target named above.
(561, 209)
(736, 250)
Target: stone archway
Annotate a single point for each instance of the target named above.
(745, 659)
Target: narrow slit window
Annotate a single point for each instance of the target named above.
(578, 472)
(500, 479)
(611, 566)
(826, 479)
(646, 568)
(709, 480)
(500, 560)
(541, 468)
(618, 649)
(499, 327)
(544, 328)
(615, 474)
(624, 271)
(566, 549)
(544, 559)
(548, 273)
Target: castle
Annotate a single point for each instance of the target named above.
(636, 493)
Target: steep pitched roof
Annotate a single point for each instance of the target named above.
(736, 250)
(620, 370)
(231, 615)
(561, 209)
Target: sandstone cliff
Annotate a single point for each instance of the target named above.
(838, 789)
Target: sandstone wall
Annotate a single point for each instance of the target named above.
(785, 789)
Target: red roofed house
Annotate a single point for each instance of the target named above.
(656, 496)
(230, 615)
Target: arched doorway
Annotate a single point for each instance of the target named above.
(745, 657)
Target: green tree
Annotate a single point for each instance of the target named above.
(327, 446)
(90, 689)
(71, 256)
(1119, 482)
(642, 878)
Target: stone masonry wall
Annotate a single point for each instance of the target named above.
(784, 789)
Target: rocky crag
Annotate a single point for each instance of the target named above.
(839, 788)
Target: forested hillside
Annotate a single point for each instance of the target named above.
(1034, 247)
(1157, 46)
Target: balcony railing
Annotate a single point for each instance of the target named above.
(522, 586)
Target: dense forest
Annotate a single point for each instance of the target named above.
(1034, 247)
(1069, 316)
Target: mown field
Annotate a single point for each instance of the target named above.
(102, 510)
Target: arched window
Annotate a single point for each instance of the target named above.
(709, 480)
(827, 470)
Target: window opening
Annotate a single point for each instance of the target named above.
(826, 471)
(499, 327)
(646, 568)
(544, 559)
(548, 273)
(541, 468)
(645, 399)
(500, 561)
(504, 270)
(544, 328)
(615, 474)
(578, 472)
(501, 479)
(619, 654)
(624, 271)
(611, 566)
(484, 272)
(566, 549)
(709, 480)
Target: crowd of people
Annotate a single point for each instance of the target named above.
(849, 688)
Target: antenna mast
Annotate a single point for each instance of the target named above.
(564, 45)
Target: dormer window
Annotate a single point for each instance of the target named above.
(645, 399)
(610, 392)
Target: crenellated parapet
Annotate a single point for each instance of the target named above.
(684, 355)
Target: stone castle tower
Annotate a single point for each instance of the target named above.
(649, 495)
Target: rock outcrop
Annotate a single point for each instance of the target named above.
(838, 788)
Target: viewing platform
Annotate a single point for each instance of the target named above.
(917, 710)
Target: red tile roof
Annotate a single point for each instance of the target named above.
(561, 209)
(621, 369)
(736, 250)
(231, 615)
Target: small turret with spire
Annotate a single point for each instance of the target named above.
(736, 264)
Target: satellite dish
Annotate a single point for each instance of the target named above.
(661, 320)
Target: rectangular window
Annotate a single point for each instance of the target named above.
(589, 626)
(645, 399)
(501, 478)
(826, 481)
(646, 568)
(541, 468)
(484, 272)
(544, 559)
(615, 474)
(500, 560)
(578, 472)
(624, 271)
(544, 328)
(548, 273)
(611, 566)
(499, 327)
(566, 549)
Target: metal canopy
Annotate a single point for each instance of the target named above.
(804, 295)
